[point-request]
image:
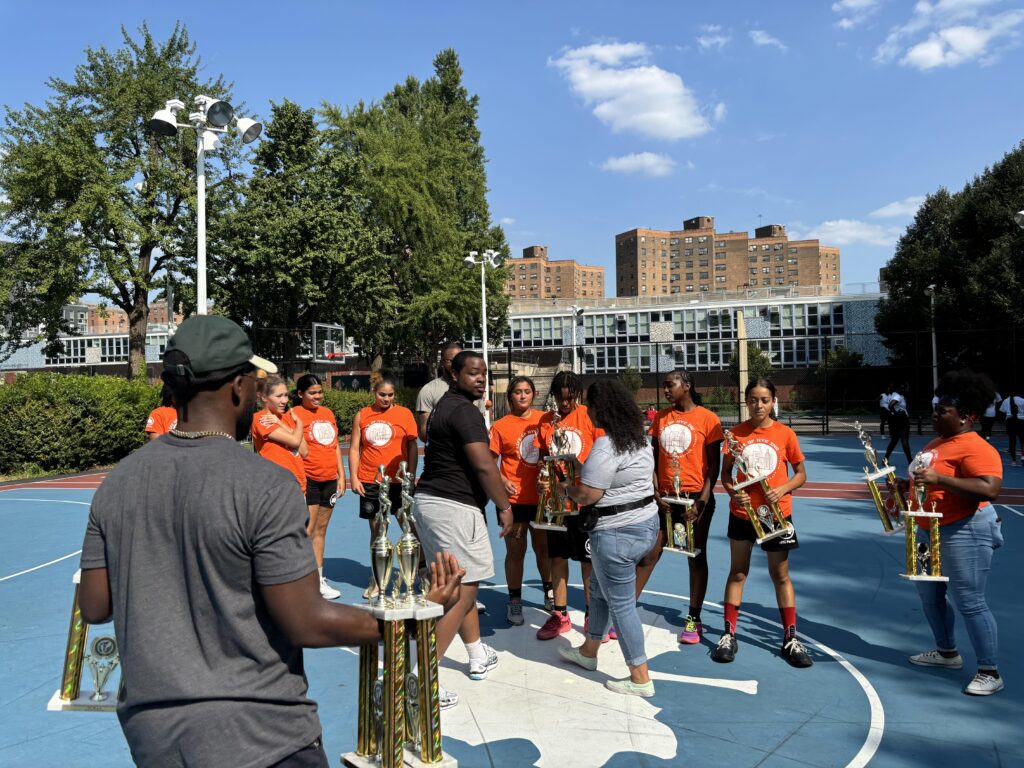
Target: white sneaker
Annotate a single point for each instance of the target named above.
(478, 668)
(327, 591)
(447, 699)
(480, 607)
(936, 659)
(984, 685)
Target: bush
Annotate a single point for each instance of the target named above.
(54, 422)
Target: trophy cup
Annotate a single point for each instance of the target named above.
(680, 535)
(552, 508)
(890, 518)
(768, 520)
(70, 696)
(924, 561)
(399, 713)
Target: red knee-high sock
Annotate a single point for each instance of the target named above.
(732, 613)
(788, 621)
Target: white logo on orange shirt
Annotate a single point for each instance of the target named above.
(323, 432)
(378, 434)
(676, 438)
(527, 448)
(573, 442)
(760, 458)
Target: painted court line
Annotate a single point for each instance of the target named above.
(53, 501)
(1016, 512)
(37, 567)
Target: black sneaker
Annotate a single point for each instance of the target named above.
(725, 650)
(794, 652)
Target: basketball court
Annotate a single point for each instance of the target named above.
(861, 704)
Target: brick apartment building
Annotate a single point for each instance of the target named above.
(698, 259)
(533, 276)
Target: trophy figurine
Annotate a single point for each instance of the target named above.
(768, 521)
(891, 522)
(680, 535)
(552, 508)
(408, 547)
(382, 554)
(102, 660)
(924, 561)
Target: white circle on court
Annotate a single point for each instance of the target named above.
(378, 434)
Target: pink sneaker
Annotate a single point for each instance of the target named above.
(557, 624)
(692, 631)
(612, 634)
(611, 631)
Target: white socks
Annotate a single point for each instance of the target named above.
(476, 650)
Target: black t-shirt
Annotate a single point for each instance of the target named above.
(447, 473)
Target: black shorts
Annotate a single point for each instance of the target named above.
(741, 529)
(320, 493)
(571, 544)
(524, 513)
(369, 503)
(679, 513)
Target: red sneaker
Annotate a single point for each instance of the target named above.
(557, 624)
(612, 634)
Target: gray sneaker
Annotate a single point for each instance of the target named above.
(936, 659)
(514, 612)
(984, 685)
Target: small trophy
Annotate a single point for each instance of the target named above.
(102, 660)
(891, 522)
(552, 508)
(768, 521)
(399, 713)
(680, 535)
(924, 561)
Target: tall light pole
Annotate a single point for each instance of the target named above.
(574, 313)
(212, 116)
(494, 259)
(930, 290)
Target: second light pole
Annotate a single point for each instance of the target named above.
(492, 258)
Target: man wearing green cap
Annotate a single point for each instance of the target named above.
(198, 550)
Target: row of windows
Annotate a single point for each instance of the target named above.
(110, 349)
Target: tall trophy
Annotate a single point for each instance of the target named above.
(680, 536)
(768, 521)
(890, 516)
(552, 507)
(399, 712)
(102, 659)
(924, 560)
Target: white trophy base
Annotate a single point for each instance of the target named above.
(412, 760)
(896, 529)
(83, 703)
(687, 552)
(880, 473)
(749, 481)
(915, 577)
(547, 526)
(677, 502)
(922, 513)
(418, 612)
(774, 534)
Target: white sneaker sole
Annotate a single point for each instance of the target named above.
(477, 674)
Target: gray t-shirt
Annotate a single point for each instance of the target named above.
(187, 530)
(624, 477)
(431, 392)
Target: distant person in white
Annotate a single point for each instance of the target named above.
(1013, 409)
(989, 417)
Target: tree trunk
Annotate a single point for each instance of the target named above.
(138, 322)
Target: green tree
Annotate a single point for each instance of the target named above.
(759, 365)
(632, 380)
(297, 250)
(92, 202)
(424, 176)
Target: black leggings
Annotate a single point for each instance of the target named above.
(1015, 434)
(899, 428)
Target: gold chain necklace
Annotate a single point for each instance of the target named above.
(199, 435)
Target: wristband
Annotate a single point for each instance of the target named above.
(506, 509)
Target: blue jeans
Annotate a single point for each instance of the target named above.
(615, 553)
(967, 547)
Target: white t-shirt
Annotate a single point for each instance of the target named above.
(990, 412)
(624, 477)
(883, 401)
(897, 403)
(1005, 407)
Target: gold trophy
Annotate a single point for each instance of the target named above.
(891, 522)
(552, 507)
(924, 559)
(768, 521)
(680, 537)
(102, 660)
(399, 713)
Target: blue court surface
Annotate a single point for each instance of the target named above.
(861, 704)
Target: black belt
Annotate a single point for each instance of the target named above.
(629, 506)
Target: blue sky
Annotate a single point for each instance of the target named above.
(831, 118)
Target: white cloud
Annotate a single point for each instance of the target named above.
(720, 112)
(900, 209)
(645, 163)
(506, 221)
(760, 37)
(948, 33)
(854, 12)
(848, 232)
(712, 36)
(629, 94)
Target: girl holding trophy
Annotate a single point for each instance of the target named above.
(962, 473)
(687, 449)
(761, 447)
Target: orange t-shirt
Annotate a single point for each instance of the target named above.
(321, 463)
(966, 455)
(383, 437)
(580, 432)
(766, 450)
(161, 420)
(684, 435)
(514, 441)
(276, 452)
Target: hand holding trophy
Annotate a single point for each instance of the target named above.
(924, 560)
(770, 523)
(552, 506)
(680, 535)
(891, 522)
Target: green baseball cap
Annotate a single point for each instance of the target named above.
(207, 343)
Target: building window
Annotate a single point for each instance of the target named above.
(687, 239)
(643, 251)
(751, 247)
(753, 281)
(674, 254)
(719, 254)
(720, 279)
(777, 246)
(792, 250)
(674, 241)
(720, 244)
(720, 267)
(753, 270)
(703, 275)
(703, 262)
(702, 251)
(702, 239)
(766, 247)
(689, 289)
(689, 275)
(688, 252)
(766, 270)
(780, 270)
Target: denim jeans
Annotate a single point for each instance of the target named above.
(967, 547)
(615, 553)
